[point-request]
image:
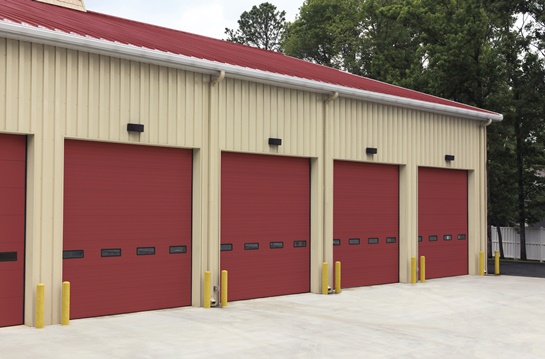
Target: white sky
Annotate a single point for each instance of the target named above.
(203, 17)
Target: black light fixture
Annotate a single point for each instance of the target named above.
(275, 141)
(135, 127)
(371, 151)
(449, 158)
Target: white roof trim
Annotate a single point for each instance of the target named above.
(131, 52)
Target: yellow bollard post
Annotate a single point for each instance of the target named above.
(325, 275)
(224, 287)
(40, 305)
(413, 270)
(337, 277)
(65, 320)
(206, 291)
(497, 262)
(422, 269)
(481, 263)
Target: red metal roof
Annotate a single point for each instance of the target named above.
(110, 28)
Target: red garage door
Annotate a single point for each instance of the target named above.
(442, 221)
(127, 227)
(12, 228)
(366, 223)
(265, 225)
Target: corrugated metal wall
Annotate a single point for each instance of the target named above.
(94, 97)
(402, 136)
(251, 113)
(52, 93)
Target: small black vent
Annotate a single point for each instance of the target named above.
(275, 141)
(135, 127)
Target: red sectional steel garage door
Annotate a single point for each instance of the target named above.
(366, 223)
(12, 228)
(127, 227)
(442, 221)
(265, 225)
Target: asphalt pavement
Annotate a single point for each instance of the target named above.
(519, 268)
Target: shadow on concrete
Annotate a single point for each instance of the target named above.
(519, 268)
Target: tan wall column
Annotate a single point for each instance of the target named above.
(477, 207)
(45, 185)
(328, 168)
(316, 225)
(44, 228)
(211, 242)
(199, 245)
(473, 222)
(408, 219)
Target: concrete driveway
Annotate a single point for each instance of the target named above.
(461, 317)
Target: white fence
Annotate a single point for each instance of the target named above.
(535, 242)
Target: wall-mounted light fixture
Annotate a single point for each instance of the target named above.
(371, 151)
(449, 158)
(275, 141)
(135, 127)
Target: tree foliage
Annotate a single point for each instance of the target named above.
(361, 37)
(263, 27)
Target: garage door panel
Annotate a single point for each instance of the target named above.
(265, 199)
(9, 276)
(165, 289)
(16, 179)
(441, 264)
(12, 148)
(129, 201)
(12, 228)
(11, 203)
(366, 198)
(123, 197)
(367, 264)
(115, 228)
(269, 276)
(442, 210)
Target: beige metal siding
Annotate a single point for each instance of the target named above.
(171, 104)
(95, 96)
(403, 136)
(251, 113)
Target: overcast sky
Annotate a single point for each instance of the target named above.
(203, 17)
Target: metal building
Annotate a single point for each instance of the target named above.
(134, 158)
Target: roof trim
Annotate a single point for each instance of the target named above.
(131, 52)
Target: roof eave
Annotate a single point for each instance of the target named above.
(130, 52)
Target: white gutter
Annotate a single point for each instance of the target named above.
(88, 44)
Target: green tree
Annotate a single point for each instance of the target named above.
(528, 120)
(525, 114)
(263, 27)
(361, 37)
(325, 32)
